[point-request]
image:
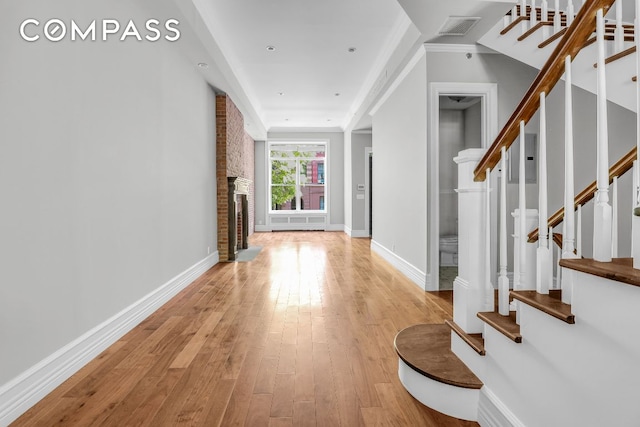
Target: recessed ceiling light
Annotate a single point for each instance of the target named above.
(281, 93)
(286, 120)
(271, 48)
(203, 65)
(328, 120)
(351, 49)
(337, 94)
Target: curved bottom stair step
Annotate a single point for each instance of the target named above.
(433, 374)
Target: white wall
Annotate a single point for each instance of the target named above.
(336, 177)
(399, 170)
(107, 176)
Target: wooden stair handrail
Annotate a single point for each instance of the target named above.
(577, 34)
(618, 169)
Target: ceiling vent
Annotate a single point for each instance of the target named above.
(458, 25)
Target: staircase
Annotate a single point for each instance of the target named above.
(531, 353)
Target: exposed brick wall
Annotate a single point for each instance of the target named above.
(234, 157)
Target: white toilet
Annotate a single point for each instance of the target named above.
(449, 250)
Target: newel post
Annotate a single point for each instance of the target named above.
(469, 288)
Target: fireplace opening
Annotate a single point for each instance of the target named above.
(238, 215)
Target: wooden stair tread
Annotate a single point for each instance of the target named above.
(426, 348)
(475, 341)
(550, 304)
(619, 269)
(504, 324)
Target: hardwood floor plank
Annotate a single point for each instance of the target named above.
(282, 403)
(304, 414)
(302, 335)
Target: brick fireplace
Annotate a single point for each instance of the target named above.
(234, 177)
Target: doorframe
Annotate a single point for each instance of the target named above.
(488, 92)
(368, 152)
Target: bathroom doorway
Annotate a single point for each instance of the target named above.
(482, 98)
(460, 128)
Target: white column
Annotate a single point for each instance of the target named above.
(543, 258)
(557, 22)
(533, 16)
(545, 11)
(602, 209)
(503, 280)
(469, 287)
(619, 33)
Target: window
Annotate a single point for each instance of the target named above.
(297, 176)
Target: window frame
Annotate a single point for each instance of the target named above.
(297, 211)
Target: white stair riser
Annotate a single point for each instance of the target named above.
(454, 401)
(468, 355)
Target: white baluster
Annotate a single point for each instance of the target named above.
(558, 270)
(542, 254)
(614, 218)
(549, 277)
(557, 22)
(602, 209)
(533, 16)
(506, 20)
(568, 235)
(619, 33)
(524, 25)
(545, 11)
(579, 232)
(523, 209)
(503, 280)
(489, 293)
(569, 190)
(570, 12)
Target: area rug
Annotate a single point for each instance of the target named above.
(249, 254)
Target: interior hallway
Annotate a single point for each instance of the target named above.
(302, 335)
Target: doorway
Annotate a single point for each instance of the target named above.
(460, 128)
(482, 98)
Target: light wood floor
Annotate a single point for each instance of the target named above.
(302, 335)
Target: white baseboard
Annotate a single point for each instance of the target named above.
(356, 233)
(415, 274)
(262, 229)
(493, 413)
(335, 227)
(28, 388)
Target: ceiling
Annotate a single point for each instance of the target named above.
(311, 79)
